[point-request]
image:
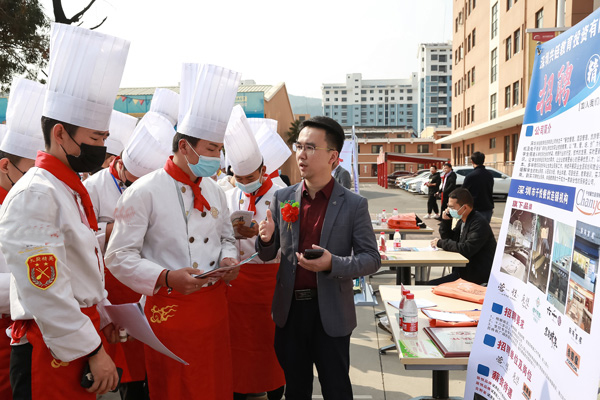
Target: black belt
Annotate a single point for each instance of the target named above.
(305, 294)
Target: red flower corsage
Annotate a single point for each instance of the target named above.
(289, 212)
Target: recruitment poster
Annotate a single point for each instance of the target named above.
(539, 332)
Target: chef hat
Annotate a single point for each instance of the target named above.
(24, 136)
(121, 128)
(189, 76)
(256, 123)
(210, 104)
(240, 145)
(2, 131)
(149, 148)
(166, 103)
(274, 150)
(85, 72)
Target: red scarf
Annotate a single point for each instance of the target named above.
(71, 179)
(177, 173)
(3, 193)
(113, 170)
(260, 192)
(274, 174)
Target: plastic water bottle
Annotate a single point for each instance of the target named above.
(382, 238)
(383, 217)
(410, 319)
(401, 306)
(395, 212)
(397, 240)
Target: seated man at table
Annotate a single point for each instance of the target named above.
(472, 237)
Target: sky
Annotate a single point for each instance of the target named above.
(302, 43)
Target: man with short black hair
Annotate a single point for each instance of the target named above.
(472, 237)
(480, 183)
(447, 186)
(433, 187)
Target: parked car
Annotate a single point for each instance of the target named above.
(411, 184)
(501, 180)
(397, 174)
(400, 180)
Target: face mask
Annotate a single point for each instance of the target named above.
(206, 166)
(89, 159)
(18, 169)
(250, 187)
(454, 213)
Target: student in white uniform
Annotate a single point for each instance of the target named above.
(47, 222)
(171, 225)
(18, 148)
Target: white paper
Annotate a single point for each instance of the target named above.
(421, 303)
(131, 317)
(447, 316)
(241, 216)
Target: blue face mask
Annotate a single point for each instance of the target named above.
(206, 166)
(454, 213)
(250, 187)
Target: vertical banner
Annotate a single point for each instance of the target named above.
(539, 329)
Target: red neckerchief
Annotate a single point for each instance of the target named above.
(71, 179)
(274, 174)
(177, 173)
(113, 170)
(3, 193)
(260, 192)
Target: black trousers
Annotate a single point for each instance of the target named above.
(432, 205)
(303, 343)
(20, 371)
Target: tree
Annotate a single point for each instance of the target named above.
(23, 40)
(294, 132)
(59, 14)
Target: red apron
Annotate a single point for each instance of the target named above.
(5, 390)
(255, 365)
(53, 379)
(130, 355)
(196, 328)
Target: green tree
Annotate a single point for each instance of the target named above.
(293, 132)
(23, 40)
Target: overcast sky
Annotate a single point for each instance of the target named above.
(302, 43)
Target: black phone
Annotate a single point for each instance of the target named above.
(87, 379)
(311, 254)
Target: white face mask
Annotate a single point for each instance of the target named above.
(250, 187)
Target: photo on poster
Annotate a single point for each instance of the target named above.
(519, 244)
(562, 250)
(539, 269)
(584, 268)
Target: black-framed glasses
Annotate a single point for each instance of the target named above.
(309, 148)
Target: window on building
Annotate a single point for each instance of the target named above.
(516, 98)
(494, 64)
(434, 57)
(409, 98)
(399, 148)
(468, 117)
(423, 148)
(375, 148)
(508, 48)
(327, 92)
(506, 148)
(442, 68)
(434, 67)
(371, 98)
(399, 167)
(509, 4)
(515, 145)
(327, 99)
(539, 18)
(344, 99)
(469, 43)
(473, 113)
(363, 92)
(492, 143)
(442, 58)
(517, 41)
(473, 76)
(494, 30)
(468, 79)
(473, 38)
(507, 98)
(344, 92)
(493, 106)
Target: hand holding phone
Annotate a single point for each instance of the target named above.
(311, 254)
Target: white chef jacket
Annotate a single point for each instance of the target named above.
(105, 191)
(4, 287)
(150, 232)
(237, 200)
(42, 215)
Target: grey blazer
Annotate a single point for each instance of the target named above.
(343, 177)
(348, 234)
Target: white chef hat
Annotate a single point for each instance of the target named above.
(210, 104)
(240, 144)
(274, 150)
(149, 149)
(166, 103)
(256, 123)
(121, 128)
(24, 136)
(189, 76)
(2, 131)
(85, 72)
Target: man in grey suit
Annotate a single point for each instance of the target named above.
(341, 175)
(313, 304)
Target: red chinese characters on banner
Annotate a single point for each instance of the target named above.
(564, 81)
(545, 103)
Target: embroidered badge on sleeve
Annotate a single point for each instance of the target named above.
(41, 270)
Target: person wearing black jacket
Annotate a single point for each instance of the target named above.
(434, 186)
(480, 183)
(447, 186)
(472, 237)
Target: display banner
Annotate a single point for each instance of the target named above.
(539, 332)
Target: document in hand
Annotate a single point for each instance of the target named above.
(131, 317)
(238, 217)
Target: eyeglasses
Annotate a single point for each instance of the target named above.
(310, 149)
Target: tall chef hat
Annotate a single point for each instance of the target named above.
(189, 76)
(149, 148)
(166, 103)
(256, 123)
(24, 136)
(121, 128)
(273, 148)
(210, 104)
(240, 145)
(85, 72)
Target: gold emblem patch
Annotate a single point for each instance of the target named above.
(160, 315)
(41, 270)
(214, 212)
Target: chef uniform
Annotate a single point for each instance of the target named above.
(255, 365)
(160, 223)
(274, 149)
(22, 138)
(47, 222)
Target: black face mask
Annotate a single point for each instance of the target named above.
(128, 183)
(91, 157)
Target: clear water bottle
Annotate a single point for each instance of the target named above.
(395, 212)
(401, 306)
(397, 240)
(383, 217)
(382, 238)
(410, 319)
